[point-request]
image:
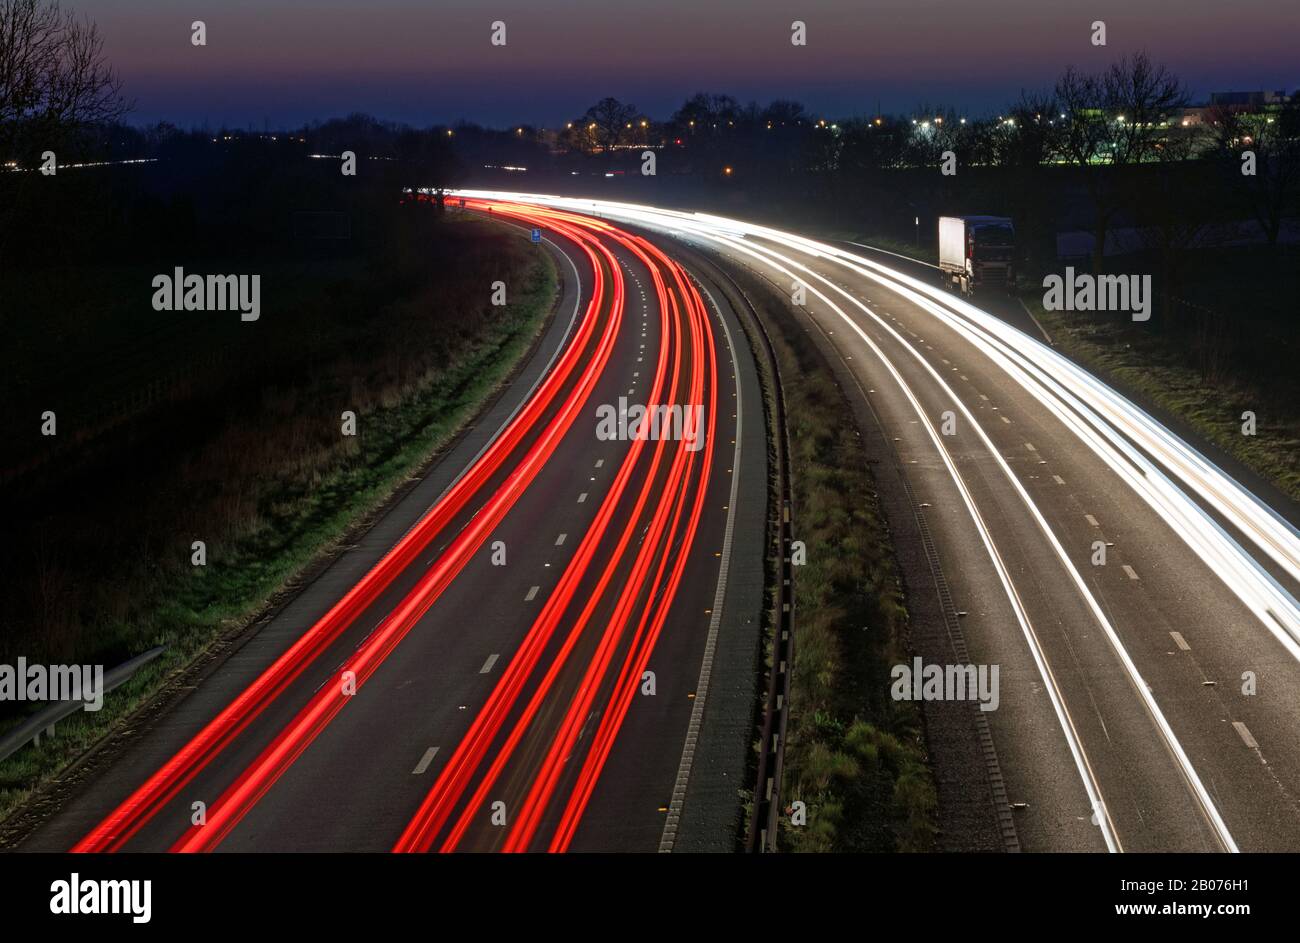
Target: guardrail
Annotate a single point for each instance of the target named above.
(765, 816)
(43, 721)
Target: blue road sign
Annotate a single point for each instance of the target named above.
(537, 235)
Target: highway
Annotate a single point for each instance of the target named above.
(1139, 601)
(518, 654)
(1148, 703)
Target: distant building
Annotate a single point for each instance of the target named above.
(1242, 102)
(1248, 100)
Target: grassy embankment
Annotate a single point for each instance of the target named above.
(239, 444)
(852, 754)
(1246, 362)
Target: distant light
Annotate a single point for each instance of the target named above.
(963, 120)
(644, 123)
(726, 171)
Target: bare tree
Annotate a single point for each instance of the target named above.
(1273, 136)
(1112, 120)
(1027, 137)
(609, 121)
(1140, 96)
(54, 80)
(1170, 224)
(1083, 141)
(704, 113)
(1023, 141)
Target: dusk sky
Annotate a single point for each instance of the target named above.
(283, 62)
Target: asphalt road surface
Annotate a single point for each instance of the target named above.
(1139, 602)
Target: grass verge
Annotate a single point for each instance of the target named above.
(854, 757)
(1148, 368)
(299, 490)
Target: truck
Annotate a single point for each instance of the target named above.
(977, 251)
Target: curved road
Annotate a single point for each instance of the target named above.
(1148, 702)
(518, 655)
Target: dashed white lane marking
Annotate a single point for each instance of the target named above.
(560, 539)
(532, 594)
(425, 760)
(1005, 419)
(1058, 479)
(1091, 520)
(582, 497)
(1180, 641)
(599, 462)
(1030, 446)
(1244, 733)
(487, 665)
(1129, 570)
(983, 397)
